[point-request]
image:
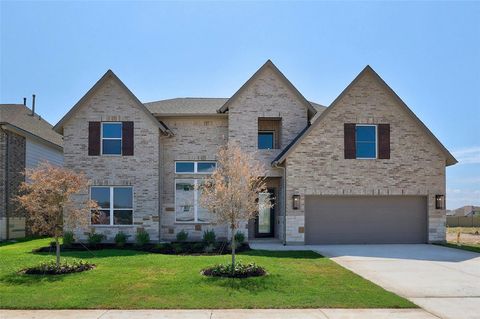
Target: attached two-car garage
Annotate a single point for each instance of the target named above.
(366, 219)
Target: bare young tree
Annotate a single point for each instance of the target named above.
(47, 193)
(231, 192)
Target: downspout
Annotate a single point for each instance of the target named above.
(7, 217)
(284, 206)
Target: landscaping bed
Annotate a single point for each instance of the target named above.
(50, 268)
(174, 248)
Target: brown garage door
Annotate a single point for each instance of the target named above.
(365, 219)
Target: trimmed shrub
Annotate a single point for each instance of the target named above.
(94, 239)
(121, 239)
(142, 238)
(182, 236)
(209, 237)
(240, 270)
(66, 267)
(178, 248)
(239, 238)
(68, 239)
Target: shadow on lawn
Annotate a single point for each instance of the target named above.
(100, 253)
(252, 284)
(300, 254)
(28, 280)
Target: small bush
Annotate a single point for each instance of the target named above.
(121, 239)
(239, 238)
(240, 270)
(164, 248)
(198, 247)
(209, 237)
(68, 239)
(94, 239)
(142, 238)
(178, 248)
(50, 268)
(182, 236)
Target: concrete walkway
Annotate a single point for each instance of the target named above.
(221, 314)
(444, 281)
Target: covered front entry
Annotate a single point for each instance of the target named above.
(365, 219)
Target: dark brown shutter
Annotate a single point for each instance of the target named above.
(384, 141)
(127, 138)
(93, 138)
(349, 140)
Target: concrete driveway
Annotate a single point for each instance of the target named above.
(443, 281)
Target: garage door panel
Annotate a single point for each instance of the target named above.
(365, 219)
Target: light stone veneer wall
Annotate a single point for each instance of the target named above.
(195, 139)
(112, 103)
(317, 165)
(266, 96)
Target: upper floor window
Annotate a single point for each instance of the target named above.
(269, 133)
(366, 141)
(111, 138)
(116, 205)
(195, 167)
(266, 140)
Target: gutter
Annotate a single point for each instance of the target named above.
(284, 206)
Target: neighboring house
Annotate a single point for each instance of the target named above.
(468, 210)
(25, 141)
(363, 170)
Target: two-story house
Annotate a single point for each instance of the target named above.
(363, 170)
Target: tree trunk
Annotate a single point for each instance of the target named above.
(233, 249)
(57, 243)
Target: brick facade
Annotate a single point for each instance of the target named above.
(12, 168)
(111, 103)
(317, 165)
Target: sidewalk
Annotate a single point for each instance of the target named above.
(221, 314)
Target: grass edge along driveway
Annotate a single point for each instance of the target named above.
(128, 279)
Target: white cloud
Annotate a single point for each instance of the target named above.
(469, 155)
(460, 197)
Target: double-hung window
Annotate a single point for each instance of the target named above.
(116, 205)
(187, 191)
(111, 136)
(366, 141)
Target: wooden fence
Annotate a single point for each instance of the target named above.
(463, 221)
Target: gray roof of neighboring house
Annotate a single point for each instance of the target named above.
(195, 106)
(19, 116)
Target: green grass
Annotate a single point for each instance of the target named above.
(126, 279)
(470, 247)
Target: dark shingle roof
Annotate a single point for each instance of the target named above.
(188, 105)
(19, 115)
(195, 106)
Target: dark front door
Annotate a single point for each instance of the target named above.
(265, 221)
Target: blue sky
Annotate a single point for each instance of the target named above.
(428, 52)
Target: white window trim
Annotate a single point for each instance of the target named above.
(195, 167)
(195, 201)
(111, 138)
(111, 208)
(376, 142)
(273, 139)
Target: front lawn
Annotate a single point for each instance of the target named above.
(469, 247)
(127, 279)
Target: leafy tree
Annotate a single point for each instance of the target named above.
(231, 192)
(47, 194)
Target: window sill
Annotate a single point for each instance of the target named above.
(192, 223)
(113, 226)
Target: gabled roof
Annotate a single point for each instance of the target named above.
(20, 118)
(450, 160)
(108, 75)
(269, 64)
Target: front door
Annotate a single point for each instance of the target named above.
(265, 221)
